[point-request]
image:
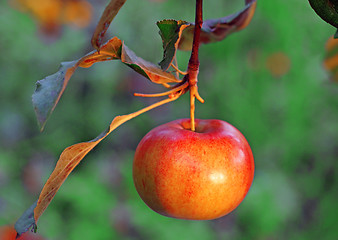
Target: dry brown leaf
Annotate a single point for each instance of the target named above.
(147, 69)
(109, 51)
(214, 30)
(72, 156)
(107, 17)
(50, 89)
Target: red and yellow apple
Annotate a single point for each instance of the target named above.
(200, 175)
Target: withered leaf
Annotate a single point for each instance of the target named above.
(147, 69)
(72, 156)
(50, 89)
(107, 17)
(170, 31)
(214, 30)
(26, 221)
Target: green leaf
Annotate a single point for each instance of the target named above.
(327, 10)
(214, 30)
(170, 31)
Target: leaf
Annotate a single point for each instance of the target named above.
(170, 31)
(147, 69)
(107, 17)
(327, 10)
(72, 156)
(109, 51)
(214, 30)
(26, 221)
(50, 89)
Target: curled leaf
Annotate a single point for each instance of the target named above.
(109, 51)
(50, 89)
(145, 68)
(214, 30)
(107, 17)
(170, 31)
(72, 156)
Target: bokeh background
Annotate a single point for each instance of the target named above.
(267, 80)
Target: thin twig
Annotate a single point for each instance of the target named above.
(174, 90)
(178, 71)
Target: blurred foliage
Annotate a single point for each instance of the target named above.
(51, 14)
(289, 118)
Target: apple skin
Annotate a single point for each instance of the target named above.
(199, 175)
(8, 232)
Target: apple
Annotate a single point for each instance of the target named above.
(197, 175)
(8, 232)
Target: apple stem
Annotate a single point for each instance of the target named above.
(193, 66)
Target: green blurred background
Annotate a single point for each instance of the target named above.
(267, 80)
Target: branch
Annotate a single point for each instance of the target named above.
(193, 66)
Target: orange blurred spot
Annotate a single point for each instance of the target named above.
(331, 43)
(51, 14)
(77, 12)
(278, 64)
(331, 63)
(331, 58)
